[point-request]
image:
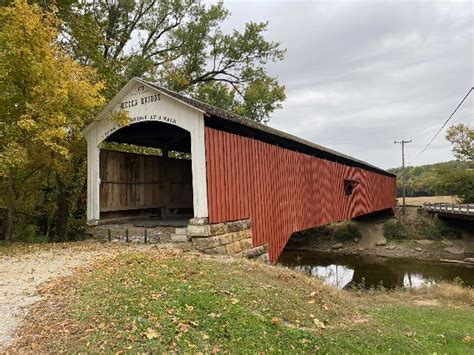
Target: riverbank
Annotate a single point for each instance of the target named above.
(370, 240)
(165, 300)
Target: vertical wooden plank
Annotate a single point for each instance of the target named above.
(240, 182)
(209, 173)
(233, 183)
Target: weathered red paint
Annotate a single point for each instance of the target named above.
(283, 191)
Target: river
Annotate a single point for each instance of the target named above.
(345, 271)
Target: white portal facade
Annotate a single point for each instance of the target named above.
(146, 103)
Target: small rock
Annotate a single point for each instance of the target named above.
(337, 246)
(381, 242)
(418, 249)
(447, 242)
(469, 260)
(390, 247)
(361, 249)
(356, 240)
(454, 250)
(179, 238)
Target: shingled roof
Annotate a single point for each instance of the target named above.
(269, 134)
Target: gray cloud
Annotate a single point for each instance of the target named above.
(360, 74)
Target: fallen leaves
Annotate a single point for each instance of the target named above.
(312, 298)
(410, 334)
(150, 334)
(357, 318)
(183, 327)
(319, 324)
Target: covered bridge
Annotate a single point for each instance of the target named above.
(221, 172)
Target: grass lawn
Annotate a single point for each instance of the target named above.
(161, 301)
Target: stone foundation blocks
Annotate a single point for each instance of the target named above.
(227, 238)
(179, 238)
(199, 230)
(199, 221)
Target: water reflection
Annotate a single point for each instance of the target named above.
(367, 272)
(335, 275)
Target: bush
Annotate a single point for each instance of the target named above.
(437, 230)
(317, 232)
(394, 230)
(345, 231)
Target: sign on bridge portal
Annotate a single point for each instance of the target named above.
(140, 101)
(153, 118)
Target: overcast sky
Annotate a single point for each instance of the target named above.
(359, 75)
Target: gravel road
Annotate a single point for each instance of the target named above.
(20, 276)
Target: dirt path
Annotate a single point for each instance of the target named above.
(21, 274)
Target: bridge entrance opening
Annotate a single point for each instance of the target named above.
(145, 172)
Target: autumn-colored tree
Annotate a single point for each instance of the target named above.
(178, 43)
(457, 180)
(461, 138)
(46, 100)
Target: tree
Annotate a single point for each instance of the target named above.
(457, 182)
(46, 100)
(178, 44)
(461, 138)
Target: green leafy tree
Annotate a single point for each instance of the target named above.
(178, 44)
(461, 138)
(46, 100)
(419, 178)
(457, 182)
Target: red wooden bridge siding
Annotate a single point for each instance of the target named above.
(284, 191)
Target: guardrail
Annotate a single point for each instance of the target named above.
(451, 208)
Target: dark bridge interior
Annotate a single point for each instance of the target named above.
(154, 134)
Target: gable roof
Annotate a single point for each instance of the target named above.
(216, 113)
(231, 122)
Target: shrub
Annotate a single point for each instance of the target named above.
(345, 231)
(437, 230)
(394, 230)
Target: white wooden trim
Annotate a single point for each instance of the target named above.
(167, 110)
(112, 105)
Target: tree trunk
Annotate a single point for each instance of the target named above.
(10, 207)
(62, 203)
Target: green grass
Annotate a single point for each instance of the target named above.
(150, 303)
(197, 304)
(408, 329)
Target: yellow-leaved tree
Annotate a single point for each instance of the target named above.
(46, 99)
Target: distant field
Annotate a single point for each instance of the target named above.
(419, 201)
